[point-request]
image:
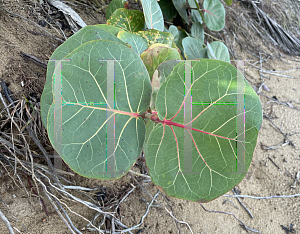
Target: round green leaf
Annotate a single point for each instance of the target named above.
(137, 43)
(153, 15)
(84, 35)
(85, 110)
(193, 48)
(114, 5)
(220, 51)
(196, 160)
(214, 14)
(129, 20)
(197, 31)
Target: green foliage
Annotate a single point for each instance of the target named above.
(168, 9)
(195, 14)
(212, 132)
(197, 31)
(114, 5)
(156, 54)
(228, 2)
(153, 15)
(214, 14)
(220, 51)
(84, 35)
(154, 36)
(129, 20)
(179, 5)
(193, 48)
(191, 159)
(137, 43)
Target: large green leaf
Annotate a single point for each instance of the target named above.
(129, 20)
(168, 9)
(86, 110)
(193, 48)
(84, 35)
(153, 15)
(202, 153)
(220, 51)
(137, 43)
(156, 54)
(114, 5)
(180, 7)
(214, 14)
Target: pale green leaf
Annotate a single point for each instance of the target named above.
(84, 35)
(220, 51)
(153, 15)
(193, 48)
(83, 143)
(214, 14)
(197, 31)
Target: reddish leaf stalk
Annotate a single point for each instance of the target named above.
(167, 122)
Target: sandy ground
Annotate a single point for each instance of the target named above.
(264, 178)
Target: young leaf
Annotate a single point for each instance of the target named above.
(156, 54)
(114, 5)
(220, 51)
(214, 14)
(128, 20)
(197, 31)
(195, 15)
(192, 155)
(168, 9)
(193, 48)
(174, 31)
(153, 15)
(137, 43)
(180, 7)
(228, 2)
(84, 35)
(86, 110)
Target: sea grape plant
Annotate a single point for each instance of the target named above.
(114, 91)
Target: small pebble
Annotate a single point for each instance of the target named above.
(264, 87)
